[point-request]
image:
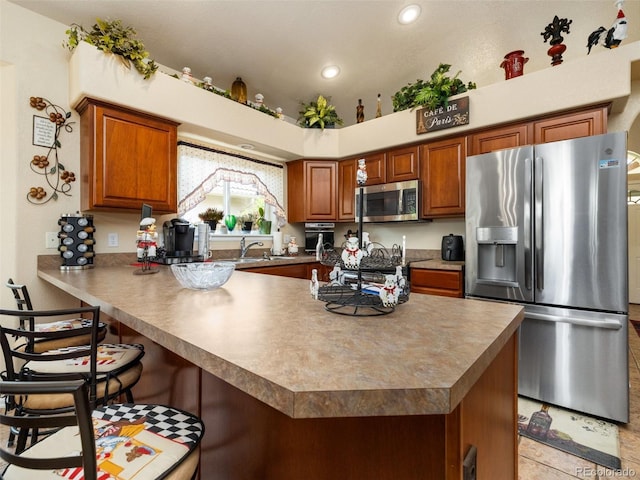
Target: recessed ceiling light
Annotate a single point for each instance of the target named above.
(247, 146)
(331, 71)
(409, 14)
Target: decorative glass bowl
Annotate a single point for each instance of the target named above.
(203, 276)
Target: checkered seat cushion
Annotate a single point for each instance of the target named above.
(140, 442)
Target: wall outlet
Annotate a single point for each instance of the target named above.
(112, 240)
(51, 240)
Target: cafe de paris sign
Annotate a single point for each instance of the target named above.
(456, 113)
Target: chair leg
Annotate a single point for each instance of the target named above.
(129, 395)
(22, 440)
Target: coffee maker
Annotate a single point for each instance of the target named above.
(179, 235)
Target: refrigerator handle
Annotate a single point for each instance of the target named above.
(606, 323)
(539, 222)
(528, 198)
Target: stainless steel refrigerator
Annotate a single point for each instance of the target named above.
(546, 227)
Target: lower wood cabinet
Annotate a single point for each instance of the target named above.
(447, 283)
(296, 270)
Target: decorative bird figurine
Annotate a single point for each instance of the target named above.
(334, 275)
(615, 34)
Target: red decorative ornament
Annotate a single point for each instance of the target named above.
(513, 64)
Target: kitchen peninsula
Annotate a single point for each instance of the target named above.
(288, 390)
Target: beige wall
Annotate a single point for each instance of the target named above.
(33, 63)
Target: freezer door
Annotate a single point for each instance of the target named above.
(499, 225)
(581, 223)
(575, 359)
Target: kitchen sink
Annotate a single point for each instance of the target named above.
(253, 259)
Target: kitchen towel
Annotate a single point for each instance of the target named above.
(276, 249)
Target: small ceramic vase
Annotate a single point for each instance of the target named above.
(230, 222)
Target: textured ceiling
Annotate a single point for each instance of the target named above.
(279, 47)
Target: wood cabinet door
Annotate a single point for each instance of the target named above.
(448, 283)
(347, 189)
(127, 159)
(402, 164)
(499, 138)
(571, 125)
(320, 190)
(442, 173)
(376, 168)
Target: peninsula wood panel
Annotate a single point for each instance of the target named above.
(127, 158)
(246, 439)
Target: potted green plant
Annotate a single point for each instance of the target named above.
(318, 114)
(264, 226)
(111, 36)
(211, 216)
(246, 221)
(430, 94)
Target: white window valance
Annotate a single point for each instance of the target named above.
(202, 168)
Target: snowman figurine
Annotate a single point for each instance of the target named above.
(390, 291)
(351, 254)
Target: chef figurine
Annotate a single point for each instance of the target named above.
(390, 292)
(351, 254)
(147, 239)
(361, 175)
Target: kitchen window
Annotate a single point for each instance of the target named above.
(208, 177)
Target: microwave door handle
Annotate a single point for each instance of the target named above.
(400, 202)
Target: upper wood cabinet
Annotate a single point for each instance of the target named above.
(312, 190)
(402, 164)
(376, 168)
(500, 138)
(442, 174)
(571, 125)
(347, 189)
(127, 158)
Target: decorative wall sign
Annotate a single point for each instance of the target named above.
(454, 114)
(46, 131)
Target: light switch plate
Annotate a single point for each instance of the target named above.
(51, 240)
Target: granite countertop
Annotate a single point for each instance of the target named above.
(265, 335)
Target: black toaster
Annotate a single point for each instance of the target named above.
(452, 248)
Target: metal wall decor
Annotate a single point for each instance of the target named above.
(46, 132)
(554, 32)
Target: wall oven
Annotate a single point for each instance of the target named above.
(312, 231)
(389, 202)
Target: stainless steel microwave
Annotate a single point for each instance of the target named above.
(389, 202)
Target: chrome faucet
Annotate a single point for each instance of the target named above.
(244, 248)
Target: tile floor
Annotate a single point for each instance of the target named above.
(540, 462)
